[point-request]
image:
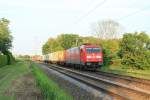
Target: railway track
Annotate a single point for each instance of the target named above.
(118, 88)
(132, 82)
(130, 78)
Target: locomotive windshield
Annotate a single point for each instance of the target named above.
(92, 50)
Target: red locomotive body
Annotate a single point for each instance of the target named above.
(85, 56)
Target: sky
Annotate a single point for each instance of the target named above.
(32, 22)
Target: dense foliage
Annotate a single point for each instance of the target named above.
(63, 41)
(5, 37)
(10, 57)
(67, 41)
(107, 57)
(5, 40)
(51, 45)
(134, 50)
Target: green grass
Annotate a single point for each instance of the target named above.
(8, 74)
(50, 90)
(124, 70)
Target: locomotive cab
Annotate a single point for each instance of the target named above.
(91, 56)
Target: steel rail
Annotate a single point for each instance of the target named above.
(113, 88)
(132, 82)
(130, 78)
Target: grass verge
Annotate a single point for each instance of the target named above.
(8, 74)
(50, 90)
(122, 70)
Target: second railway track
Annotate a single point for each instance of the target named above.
(116, 88)
(129, 78)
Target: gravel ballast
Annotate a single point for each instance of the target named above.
(78, 90)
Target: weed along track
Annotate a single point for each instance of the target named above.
(50, 90)
(118, 89)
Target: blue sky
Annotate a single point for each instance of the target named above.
(34, 21)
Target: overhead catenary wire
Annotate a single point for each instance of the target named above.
(117, 19)
(90, 11)
(121, 18)
(133, 13)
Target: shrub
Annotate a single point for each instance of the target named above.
(10, 57)
(135, 50)
(107, 57)
(3, 60)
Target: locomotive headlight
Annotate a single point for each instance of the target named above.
(88, 56)
(98, 56)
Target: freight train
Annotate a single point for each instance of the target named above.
(86, 56)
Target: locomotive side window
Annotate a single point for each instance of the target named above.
(92, 50)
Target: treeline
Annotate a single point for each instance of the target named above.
(133, 50)
(65, 41)
(5, 43)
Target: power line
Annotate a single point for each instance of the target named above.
(133, 13)
(86, 14)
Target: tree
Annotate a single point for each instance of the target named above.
(6, 40)
(106, 29)
(5, 37)
(51, 45)
(63, 41)
(91, 40)
(69, 40)
(134, 51)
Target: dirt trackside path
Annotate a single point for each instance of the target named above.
(24, 88)
(17, 82)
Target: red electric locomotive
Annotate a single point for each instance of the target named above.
(85, 56)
